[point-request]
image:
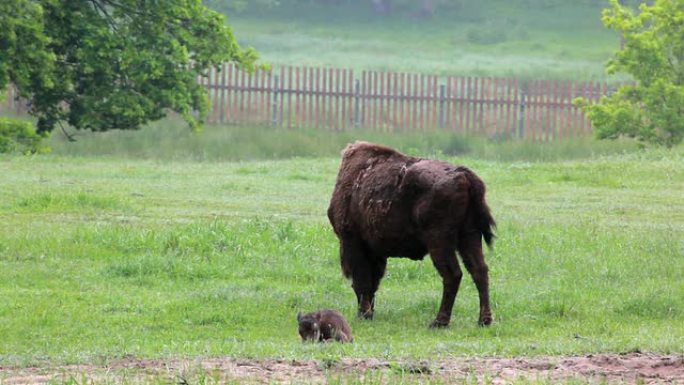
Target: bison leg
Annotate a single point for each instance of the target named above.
(471, 251)
(355, 259)
(446, 264)
(362, 284)
(378, 271)
(366, 277)
(355, 265)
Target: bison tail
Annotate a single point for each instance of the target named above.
(482, 218)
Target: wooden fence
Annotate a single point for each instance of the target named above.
(341, 99)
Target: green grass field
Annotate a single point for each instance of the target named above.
(552, 39)
(110, 257)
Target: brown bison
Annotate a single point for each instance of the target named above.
(387, 204)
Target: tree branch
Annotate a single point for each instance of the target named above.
(70, 137)
(107, 16)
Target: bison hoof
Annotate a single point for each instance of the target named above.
(485, 321)
(365, 314)
(437, 324)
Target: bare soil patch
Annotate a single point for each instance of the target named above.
(602, 368)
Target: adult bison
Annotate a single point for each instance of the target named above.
(387, 204)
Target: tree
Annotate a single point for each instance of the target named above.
(651, 108)
(112, 64)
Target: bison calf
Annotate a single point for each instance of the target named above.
(324, 325)
(387, 204)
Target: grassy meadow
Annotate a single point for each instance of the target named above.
(541, 39)
(132, 255)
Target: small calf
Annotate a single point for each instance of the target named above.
(324, 325)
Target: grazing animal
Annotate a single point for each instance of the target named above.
(387, 204)
(324, 325)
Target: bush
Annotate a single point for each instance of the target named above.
(19, 136)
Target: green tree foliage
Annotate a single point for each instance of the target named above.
(652, 108)
(19, 136)
(112, 64)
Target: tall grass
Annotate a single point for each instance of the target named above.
(172, 140)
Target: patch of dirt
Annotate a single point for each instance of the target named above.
(602, 368)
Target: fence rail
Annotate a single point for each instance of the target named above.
(341, 99)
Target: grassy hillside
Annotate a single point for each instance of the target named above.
(557, 39)
(108, 257)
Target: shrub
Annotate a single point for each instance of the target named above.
(19, 136)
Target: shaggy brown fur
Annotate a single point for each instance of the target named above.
(324, 325)
(387, 204)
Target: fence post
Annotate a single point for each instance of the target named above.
(442, 93)
(222, 106)
(521, 117)
(357, 103)
(274, 119)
